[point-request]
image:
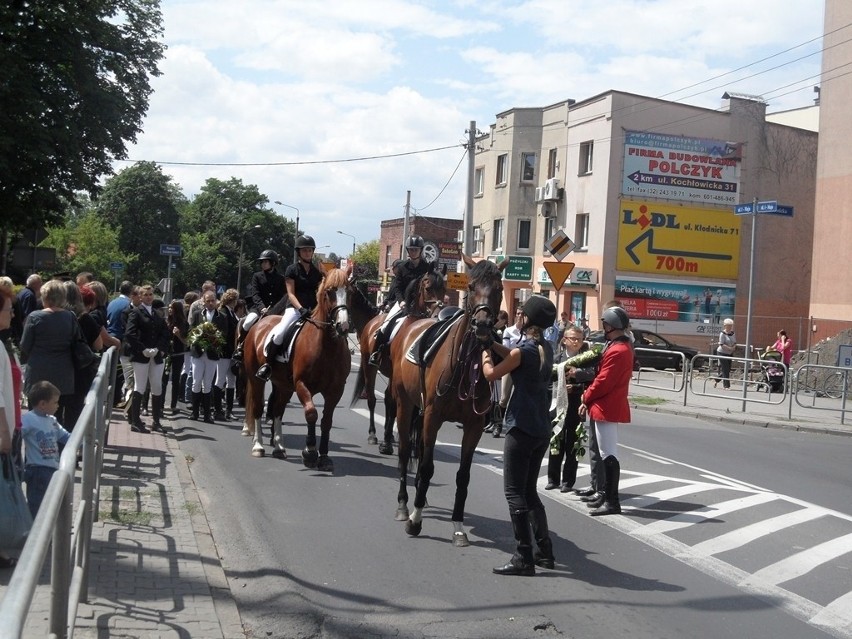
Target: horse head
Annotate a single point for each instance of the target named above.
(484, 294)
(332, 302)
(425, 296)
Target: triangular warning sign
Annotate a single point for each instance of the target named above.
(558, 272)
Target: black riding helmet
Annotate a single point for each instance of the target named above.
(305, 241)
(540, 312)
(270, 255)
(415, 241)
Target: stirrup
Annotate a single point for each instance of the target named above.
(264, 372)
(375, 358)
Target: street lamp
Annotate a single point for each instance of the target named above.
(296, 234)
(353, 243)
(240, 263)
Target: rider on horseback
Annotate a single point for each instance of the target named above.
(302, 280)
(410, 270)
(267, 287)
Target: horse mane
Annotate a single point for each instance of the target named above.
(335, 278)
(484, 269)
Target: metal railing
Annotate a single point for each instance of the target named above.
(58, 528)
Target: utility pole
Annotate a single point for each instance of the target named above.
(467, 224)
(405, 221)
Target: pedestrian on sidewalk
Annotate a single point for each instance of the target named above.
(726, 347)
(527, 434)
(205, 344)
(178, 331)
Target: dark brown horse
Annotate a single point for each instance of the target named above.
(425, 298)
(449, 388)
(319, 364)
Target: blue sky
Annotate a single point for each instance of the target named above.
(289, 81)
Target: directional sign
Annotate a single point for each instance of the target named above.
(457, 281)
(558, 272)
(170, 249)
(519, 269)
(669, 240)
(560, 245)
(116, 266)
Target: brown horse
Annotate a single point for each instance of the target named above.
(425, 298)
(450, 387)
(319, 364)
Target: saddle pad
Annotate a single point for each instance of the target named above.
(289, 338)
(423, 350)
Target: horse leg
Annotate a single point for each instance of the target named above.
(425, 471)
(309, 454)
(403, 418)
(278, 450)
(254, 406)
(324, 463)
(370, 390)
(386, 447)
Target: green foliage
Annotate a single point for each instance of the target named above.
(366, 258)
(75, 89)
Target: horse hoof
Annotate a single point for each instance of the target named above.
(401, 513)
(413, 529)
(279, 453)
(325, 464)
(386, 448)
(258, 452)
(245, 432)
(372, 439)
(309, 458)
(460, 540)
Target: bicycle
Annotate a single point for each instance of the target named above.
(838, 384)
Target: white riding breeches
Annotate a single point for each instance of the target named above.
(290, 316)
(249, 320)
(145, 373)
(394, 311)
(607, 434)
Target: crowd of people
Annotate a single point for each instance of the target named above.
(54, 331)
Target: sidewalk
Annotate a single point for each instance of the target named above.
(154, 569)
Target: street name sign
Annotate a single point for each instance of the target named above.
(170, 249)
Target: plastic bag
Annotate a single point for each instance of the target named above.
(15, 519)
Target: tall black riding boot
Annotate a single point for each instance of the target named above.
(181, 388)
(207, 404)
(521, 562)
(218, 409)
(378, 347)
(196, 405)
(136, 424)
(271, 352)
(156, 412)
(229, 404)
(543, 556)
(611, 505)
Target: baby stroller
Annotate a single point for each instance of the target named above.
(772, 371)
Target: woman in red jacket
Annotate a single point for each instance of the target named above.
(605, 401)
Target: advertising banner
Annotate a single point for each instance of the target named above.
(674, 167)
(675, 240)
(681, 307)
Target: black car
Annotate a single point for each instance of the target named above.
(650, 349)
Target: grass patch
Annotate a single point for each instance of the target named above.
(127, 517)
(644, 400)
(192, 508)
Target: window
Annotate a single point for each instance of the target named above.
(497, 239)
(552, 164)
(528, 160)
(478, 243)
(586, 157)
(524, 235)
(478, 181)
(388, 256)
(549, 228)
(581, 231)
(502, 170)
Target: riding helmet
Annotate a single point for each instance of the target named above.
(540, 312)
(415, 241)
(616, 317)
(270, 255)
(305, 241)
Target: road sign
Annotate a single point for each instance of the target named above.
(116, 266)
(519, 269)
(165, 285)
(743, 209)
(769, 206)
(457, 281)
(844, 355)
(170, 249)
(786, 211)
(558, 272)
(560, 245)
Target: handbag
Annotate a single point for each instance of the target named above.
(15, 518)
(81, 353)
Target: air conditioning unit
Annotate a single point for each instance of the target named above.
(460, 235)
(539, 194)
(477, 234)
(551, 190)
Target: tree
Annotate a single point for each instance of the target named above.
(366, 259)
(142, 203)
(76, 83)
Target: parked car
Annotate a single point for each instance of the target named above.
(650, 341)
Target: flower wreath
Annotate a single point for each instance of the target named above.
(207, 338)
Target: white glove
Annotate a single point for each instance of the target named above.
(150, 352)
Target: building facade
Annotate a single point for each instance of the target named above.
(647, 189)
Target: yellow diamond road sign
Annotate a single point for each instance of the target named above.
(559, 245)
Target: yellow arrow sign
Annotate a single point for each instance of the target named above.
(558, 272)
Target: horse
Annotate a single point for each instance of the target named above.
(319, 363)
(424, 296)
(449, 387)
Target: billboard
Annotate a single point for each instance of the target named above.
(678, 240)
(675, 167)
(682, 307)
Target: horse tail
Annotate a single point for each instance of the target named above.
(359, 386)
(415, 435)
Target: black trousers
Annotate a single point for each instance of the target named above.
(175, 370)
(522, 457)
(556, 472)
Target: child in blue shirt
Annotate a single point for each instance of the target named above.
(42, 435)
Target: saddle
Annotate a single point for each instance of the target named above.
(423, 350)
(286, 349)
